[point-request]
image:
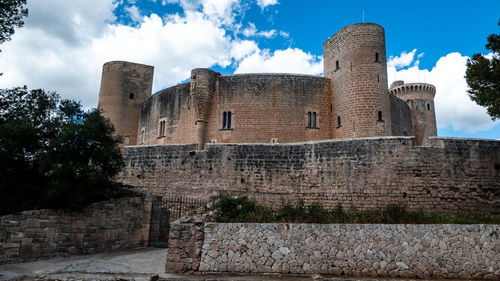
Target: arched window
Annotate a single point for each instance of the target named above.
(229, 120)
(314, 120)
(380, 116)
(429, 106)
(338, 122)
(376, 57)
(309, 120)
(143, 136)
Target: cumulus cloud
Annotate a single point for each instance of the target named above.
(403, 60)
(287, 61)
(265, 3)
(71, 64)
(64, 44)
(453, 106)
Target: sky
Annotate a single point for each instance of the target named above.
(64, 44)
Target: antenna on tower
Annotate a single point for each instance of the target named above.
(363, 15)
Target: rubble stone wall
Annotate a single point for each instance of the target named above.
(101, 227)
(363, 250)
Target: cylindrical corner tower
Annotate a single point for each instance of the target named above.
(202, 93)
(420, 98)
(355, 61)
(124, 86)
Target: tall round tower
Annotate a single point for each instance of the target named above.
(420, 98)
(202, 93)
(355, 61)
(124, 86)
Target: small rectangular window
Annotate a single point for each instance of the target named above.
(311, 120)
(226, 119)
(338, 122)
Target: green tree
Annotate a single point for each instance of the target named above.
(483, 77)
(53, 154)
(12, 13)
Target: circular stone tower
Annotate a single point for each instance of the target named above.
(202, 92)
(124, 86)
(420, 99)
(355, 61)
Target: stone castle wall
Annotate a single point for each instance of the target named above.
(361, 250)
(449, 175)
(264, 107)
(101, 227)
(401, 120)
(174, 106)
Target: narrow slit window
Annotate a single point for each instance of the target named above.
(337, 65)
(309, 121)
(314, 120)
(380, 116)
(338, 121)
(429, 106)
(376, 57)
(226, 119)
(162, 128)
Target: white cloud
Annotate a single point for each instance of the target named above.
(403, 60)
(134, 14)
(453, 106)
(286, 61)
(251, 31)
(64, 44)
(265, 3)
(47, 58)
(242, 49)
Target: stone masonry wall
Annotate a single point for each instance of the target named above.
(401, 120)
(449, 175)
(363, 250)
(185, 242)
(101, 227)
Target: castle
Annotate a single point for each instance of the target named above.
(352, 100)
(343, 139)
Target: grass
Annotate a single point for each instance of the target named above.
(242, 209)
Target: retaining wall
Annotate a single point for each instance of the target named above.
(363, 250)
(448, 175)
(101, 227)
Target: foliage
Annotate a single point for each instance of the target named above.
(483, 77)
(242, 209)
(53, 154)
(12, 13)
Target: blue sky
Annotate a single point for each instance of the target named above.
(64, 44)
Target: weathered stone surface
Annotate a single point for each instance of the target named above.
(451, 251)
(101, 227)
(449, 175)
